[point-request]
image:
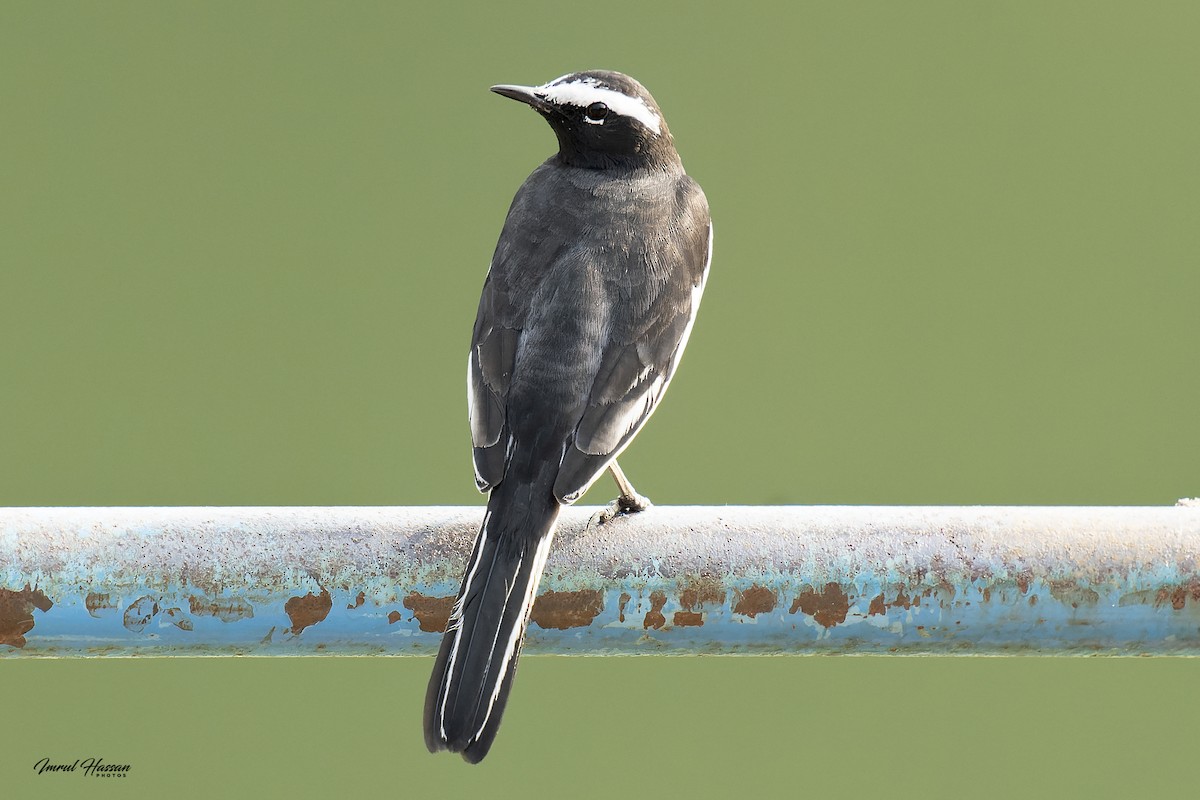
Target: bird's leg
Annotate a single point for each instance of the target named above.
(629, 502)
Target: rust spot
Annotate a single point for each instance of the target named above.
(1023, 581)
(1178, 596)
(226, 609)
(654, 617)
(987, 594)
(432, 613)
(358, 601)
(903, 600)
(308, 610)
(706, 589)
(828, 608)
(877, 606)
(625, 598)
(1068, 591)
(95, 602)
(1033, 599)
(140, 612)
(754, 601)
(563, 610)
(687, 619)
(16, 613)
(394, 617)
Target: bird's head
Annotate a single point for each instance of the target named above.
(602, 119)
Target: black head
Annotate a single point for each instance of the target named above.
(602, 119)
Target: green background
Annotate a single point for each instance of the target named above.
(956, 262)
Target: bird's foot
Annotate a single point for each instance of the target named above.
(624, 505)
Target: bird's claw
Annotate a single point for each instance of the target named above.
(621, 507)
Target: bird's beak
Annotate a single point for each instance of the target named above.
(525, 94)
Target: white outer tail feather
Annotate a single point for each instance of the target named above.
(455, 622)
(539, 564)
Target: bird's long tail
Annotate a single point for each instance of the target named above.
(478, 657)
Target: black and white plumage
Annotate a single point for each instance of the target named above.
(585, 312)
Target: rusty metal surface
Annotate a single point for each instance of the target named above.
(686, 580)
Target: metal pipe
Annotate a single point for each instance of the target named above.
(364, 581)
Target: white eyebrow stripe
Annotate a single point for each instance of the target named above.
(583, 93)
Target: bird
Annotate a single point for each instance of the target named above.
(586, 309)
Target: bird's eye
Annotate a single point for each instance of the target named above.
(596, 111)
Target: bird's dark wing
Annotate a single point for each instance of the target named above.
(641, 355)
(489, 373)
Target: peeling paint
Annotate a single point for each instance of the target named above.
(705, 590)
(1071, 593)
(816, 580)
(564, 610)
(308, 610)
(140, 612)
(179, 619)
(432, 613)
(97, 602)
(226, 609)
(1142, 597)
(16, 613)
